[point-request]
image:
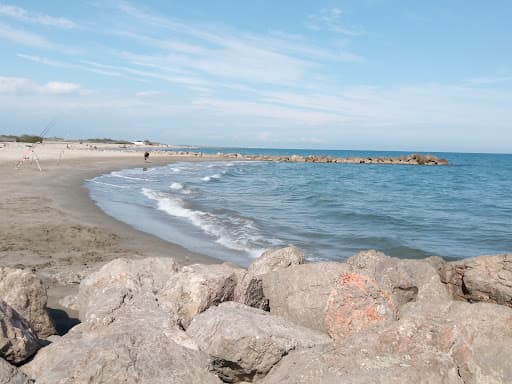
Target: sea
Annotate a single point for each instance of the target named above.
(234, 210)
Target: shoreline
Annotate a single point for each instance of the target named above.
(54, 228)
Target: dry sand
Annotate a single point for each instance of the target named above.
(50, 225)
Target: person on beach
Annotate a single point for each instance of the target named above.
(146, 156)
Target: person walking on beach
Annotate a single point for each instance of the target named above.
(146, 156)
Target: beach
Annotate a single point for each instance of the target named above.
(51, 226)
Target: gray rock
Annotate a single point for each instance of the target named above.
(197, 287)
(249, 291)
(480, 279)
(244, 343)
(275, 259)
(448, 345)
(301, 293)
(140, 345)
(25, 292)
(70, 302)
(104, 292)
(10, 374)
(18, 341)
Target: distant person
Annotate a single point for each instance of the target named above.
(146, 156)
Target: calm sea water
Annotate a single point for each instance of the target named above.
(234, 210)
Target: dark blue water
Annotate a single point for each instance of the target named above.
(234, 210)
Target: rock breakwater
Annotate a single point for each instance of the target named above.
(371, 319)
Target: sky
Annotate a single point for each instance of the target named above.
(366, 74)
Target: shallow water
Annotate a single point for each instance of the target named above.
(234, 210)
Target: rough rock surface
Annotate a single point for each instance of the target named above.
(10, 374)
(451, 345)
(300, 293)
(104, 291)
(197, 287)
(244, 343)
(140, 344)
(25, 292)
(480, 279)
(249, 291)
(18, 341)
(274, 259)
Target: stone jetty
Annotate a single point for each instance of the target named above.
(412, 159)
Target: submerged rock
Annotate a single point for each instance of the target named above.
(18, 341)
(244, 343)
(25, 292)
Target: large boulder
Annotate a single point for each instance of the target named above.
(25, 292)
(301, 293)
(451, 344)
(274, 259)
(249, 290)
(370, 289)
(480, 279)
(244, 343)
(104, 292)
(141, 344)
(18, 341)
(197, 287)
(10, 374)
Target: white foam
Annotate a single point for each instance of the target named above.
(108, 184)
(212, 177)
(176, 186)
(231, 232)
(117, 174)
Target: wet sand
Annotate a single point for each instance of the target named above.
(50, 225)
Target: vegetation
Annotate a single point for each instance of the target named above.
(107, 141)
(23, 138)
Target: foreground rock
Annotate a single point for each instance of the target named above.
(450, 346)
(25, 292)
(197, 287)
(244, 343)
(10, 374)
(18, 341)
(104, 292)
(140, 344)
(480, 279)
(250, 290)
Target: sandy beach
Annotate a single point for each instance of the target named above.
(51, 226)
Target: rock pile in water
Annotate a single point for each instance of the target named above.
(372, 319)
(412, 159)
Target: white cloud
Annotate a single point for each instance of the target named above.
(23, 86)
(22, 14)
(148, 93)
(23, 37)
(330, 19)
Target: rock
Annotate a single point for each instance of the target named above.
(274, 259)
(105, 291)
(244, 343)
(449, 345)
(357, 303)
(10, 374)
(249, 291)
(300, 293)
(197, 287)
(480, 279)
(18, 341)
(70, 302)
(25, 292)
(141, 345)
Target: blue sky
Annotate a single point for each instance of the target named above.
(367, 74)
